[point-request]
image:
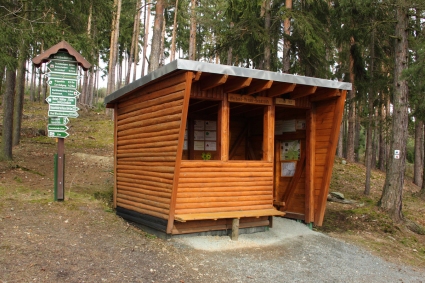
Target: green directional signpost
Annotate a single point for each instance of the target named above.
(63, 82)
(57, 91)
(62, 67)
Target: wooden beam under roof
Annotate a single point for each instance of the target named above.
(202, 107)
(197, 76)
(324, 94)
(302, 91)
(213, 81)
(258, 86)
(280, 88)
(236, 83)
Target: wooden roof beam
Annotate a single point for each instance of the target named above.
(197, 76)
(213, 81)
(236, 84)
(325, 94)
(258, 86)
(302, 91)
(280, 88)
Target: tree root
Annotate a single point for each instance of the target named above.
(414, 227)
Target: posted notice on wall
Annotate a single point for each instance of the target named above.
(290, 150)
(288, 169)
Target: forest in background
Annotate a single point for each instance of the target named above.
(377, 45)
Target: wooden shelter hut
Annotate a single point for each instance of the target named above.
(200, 145)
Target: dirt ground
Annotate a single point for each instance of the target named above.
(82, 240)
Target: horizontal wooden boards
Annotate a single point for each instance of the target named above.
(234, 214)
(148, 129)
(216, 186)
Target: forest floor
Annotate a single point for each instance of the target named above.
(46, 241)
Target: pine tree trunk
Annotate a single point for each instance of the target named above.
(136, 46)
(146, 37)
(230, 50)
(339, 149)
(1, 76)
(369, 140)
(8, 99)
(419, 153)
(374, 144)
(113, 54)
(192, 40)
(19, 100)
(422, 191)
(44, 85)
(162, 48)
(286, 43)
(156, 36)
(84, 98)
(351, 111)
(40, 76)
(32, 85)
(173, 39)
(392, 194)
(134, 42)
(368, 154)
(357, 128)
(267, 19)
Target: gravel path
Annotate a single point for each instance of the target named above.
(289, 252)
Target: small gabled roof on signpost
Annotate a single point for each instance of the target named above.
(63, 45)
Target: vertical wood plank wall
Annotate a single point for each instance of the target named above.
(148, 129)
(216, 186)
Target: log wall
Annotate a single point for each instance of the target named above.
(325, 112)
(148, 127)
(215, 186)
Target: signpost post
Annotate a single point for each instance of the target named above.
(63, 82)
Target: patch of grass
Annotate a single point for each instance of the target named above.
(150, 236)
(17, 179)
(105, 196)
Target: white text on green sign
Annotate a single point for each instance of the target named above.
(63, 108)
(57, 134)
(54, 75)
(64, 56)
(60, 100)
(57, 91)
(70, 114)
(58, 82)
(57, 128)
(58, 120)
(62, 67)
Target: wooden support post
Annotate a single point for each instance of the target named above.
(310, 163)
(223, 128)
(60, 193)
(268, 133)
(115, 192)
(235, 229)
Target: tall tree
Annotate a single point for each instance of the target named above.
(192, 40)
(134, 43)
(173, 37)
(267, 23)
(391, 199)
(8, 99)
(146, 35)
(156, 36)
(286, 42)
(113, 54)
